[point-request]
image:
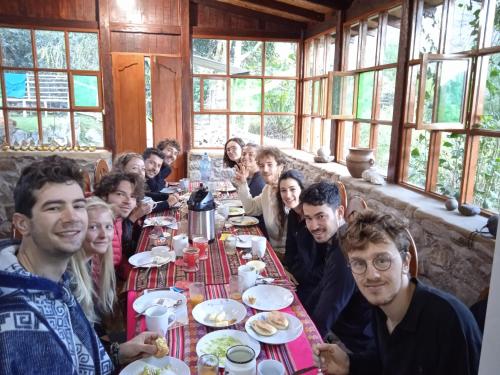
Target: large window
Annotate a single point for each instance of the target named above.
(361, 96)
(244, 88)
(319, 59)
(451, 141)
(50, 94)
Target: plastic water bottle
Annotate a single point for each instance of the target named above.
(205, 167)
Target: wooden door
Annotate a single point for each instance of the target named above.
(130, 102)
(166, 75)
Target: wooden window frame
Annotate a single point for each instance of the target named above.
(329, 112)
(38, 109)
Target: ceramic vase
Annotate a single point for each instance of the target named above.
(358, 160)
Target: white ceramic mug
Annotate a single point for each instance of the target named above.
(180, 242)
(270, 367)
(159, 319)
(258, 246)
(149, 201)
(248, 275)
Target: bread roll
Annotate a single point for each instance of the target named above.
(162, 348)
(263, 328)
(277, 319)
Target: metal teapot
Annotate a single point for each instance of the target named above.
(201, 214)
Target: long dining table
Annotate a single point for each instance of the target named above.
(215, 273)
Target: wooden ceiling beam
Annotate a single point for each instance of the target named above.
(265, 10)
(289, 8)
(250, 13)
(333, 4)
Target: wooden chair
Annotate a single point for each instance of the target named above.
(101, 168)
(343, 195)
(414, 256)
(355, 204)
(87, 185)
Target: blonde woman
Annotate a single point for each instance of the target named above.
(93, 269)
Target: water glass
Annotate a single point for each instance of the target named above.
(230, 245)
(235, 287)
(201, 243)
(208, 364)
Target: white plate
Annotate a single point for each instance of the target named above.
(268, 297)
(145, 259)
(236, 211)
(234, 312)
(169, 365)
(243, 221)
(232, 202)
(226, 189)
(241, 338)
(170, 190)
(283, 336)
(162, 221)
(147, 299)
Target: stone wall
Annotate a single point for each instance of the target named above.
(11, 165)
(447, 259)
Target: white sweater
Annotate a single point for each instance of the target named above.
(266, 205)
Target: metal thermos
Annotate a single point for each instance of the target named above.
(201, 214)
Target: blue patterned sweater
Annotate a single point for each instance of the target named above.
(43, 330)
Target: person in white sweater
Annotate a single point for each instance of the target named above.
(271, 162)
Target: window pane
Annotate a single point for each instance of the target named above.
(316, 133)
(1, 95)
(279, 95)
(347, 138)
(364, 135)
(450, 164)
(431, 27)
(85, 91)
(214, 94)
(391, 47)
(50, 49)
(54, 91)
(386, 104)
(430, 85)
(352, 47)
(281, 59)
(343, 95)
(307, 97)
(412, 95)
(309, 70)
(209, 56)
(487, 185)
(383, 147)
(306, 134)
(419, 153)
(490, 118)
(330, 51)
(246, 57)
(23, 127)
(327, 131)
(495, 41)
(16, 48)
(83, 51)
(463, 29)
(316, 96)
(246, 95)
(370, 48)
(20, 88)
(149, 102)
(246, 127)
(2, 128)
(278, 130)
(196, 94)
(452, 91)
(56, 128)
(365, 95)
(209, 130)
(88, 129)
(320, 56)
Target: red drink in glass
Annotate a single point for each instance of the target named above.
(190, 257)
(201, 243)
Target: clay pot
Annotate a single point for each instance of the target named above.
(358, 160)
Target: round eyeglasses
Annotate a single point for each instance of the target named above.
(381, 262)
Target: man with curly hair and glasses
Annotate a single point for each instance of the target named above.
(418, 329)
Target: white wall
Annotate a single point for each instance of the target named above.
(490, 358)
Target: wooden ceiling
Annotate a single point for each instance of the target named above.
(303, 11)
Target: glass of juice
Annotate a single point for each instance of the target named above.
(196, 293)
(190, 256)
(201, 243)
(235, 287)
(208, 364)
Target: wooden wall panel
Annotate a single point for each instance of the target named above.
(82, 10)
(166, 87)
(129, 102)
(145, 43)
(147, 12)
